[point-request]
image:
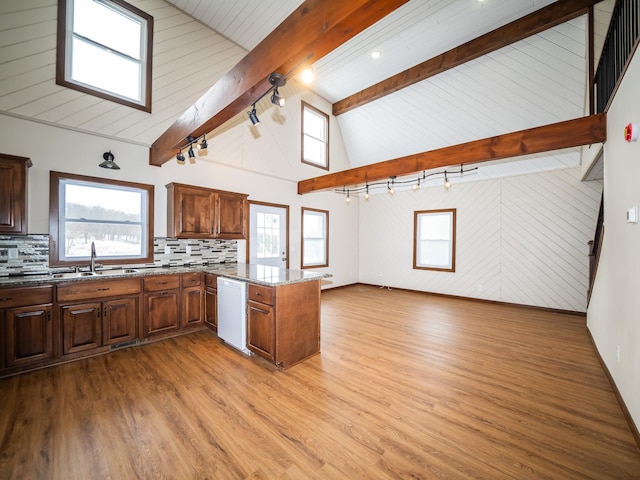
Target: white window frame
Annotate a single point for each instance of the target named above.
(324, 238)
(423, 233)
(57, 220)
(324, 140)
(65, 56)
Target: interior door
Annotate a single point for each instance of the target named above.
(268, 234)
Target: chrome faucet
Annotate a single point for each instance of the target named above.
(92, 268)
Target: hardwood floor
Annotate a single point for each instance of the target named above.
(408, 385)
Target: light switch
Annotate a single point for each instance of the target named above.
(632, 215)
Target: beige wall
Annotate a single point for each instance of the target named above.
(613, 316)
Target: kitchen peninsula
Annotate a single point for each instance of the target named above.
(59, 317)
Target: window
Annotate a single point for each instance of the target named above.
(268, 235)
(315, 137)
(105, 49)
(315, 238)
(117, 216)
(434, 246)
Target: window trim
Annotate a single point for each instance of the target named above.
(302, 135)
(61, 59)
(416, 216)
(54, 227)
(326, 239)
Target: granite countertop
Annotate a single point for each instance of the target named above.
(261, 274)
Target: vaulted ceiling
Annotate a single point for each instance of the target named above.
(533, 82)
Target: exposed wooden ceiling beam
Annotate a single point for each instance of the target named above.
(568, 134)
(314, 29)
(536, 22)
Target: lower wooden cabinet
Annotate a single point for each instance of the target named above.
(161, 312)
(261, 329)
(28, 335)
(81, 327)
(211, 301)
(192, 299)
(27, 327)
(119, 320)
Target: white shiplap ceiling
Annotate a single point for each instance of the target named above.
(537, 81)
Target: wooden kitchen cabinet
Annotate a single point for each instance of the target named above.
(283, 322)
(261, 321)
(211, 301)
(161, 304)
(192, 299)
(95, 314)
(198, 212)
(13, 194)
(26, 318)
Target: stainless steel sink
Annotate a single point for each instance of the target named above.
(101, 273)
(117, 271)
(73, 274)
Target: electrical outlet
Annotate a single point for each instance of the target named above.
(618, 353)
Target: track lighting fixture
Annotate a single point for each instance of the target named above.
(416, 183)
(180, 158)
(109, 161)
(348, 199)
(192, 155)
(203, 145)
(253, 116)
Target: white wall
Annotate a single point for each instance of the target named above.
(262, 162)
(520, 239)
(613, 316)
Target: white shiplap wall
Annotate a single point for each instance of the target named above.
(520, 239)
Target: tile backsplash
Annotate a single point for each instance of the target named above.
(29, 254)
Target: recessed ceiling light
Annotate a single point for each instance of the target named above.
(375, 54)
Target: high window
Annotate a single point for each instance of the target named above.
(105, 49)
(315, 238)
(315, 137)
(434, 246)
(116, 216)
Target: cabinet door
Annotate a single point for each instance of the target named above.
(192, 306)
(161, 312)
(28, 335)
(81, 327)
(193, 213)
(261, 329)
(211, 308)
(13, 194)
(230, 209)
(119, 320)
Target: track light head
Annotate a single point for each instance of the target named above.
(180, 158)
(109, 161)
(253, 116)
(203, 145)
(276, 99)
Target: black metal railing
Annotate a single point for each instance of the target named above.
(595, 247)
(621, 41)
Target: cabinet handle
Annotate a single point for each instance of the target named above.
(48, 316)
(258, 294)
(102, 289)
(162, 283)
(5, 299)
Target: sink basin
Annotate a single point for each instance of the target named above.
(73, 274)
(118, 271)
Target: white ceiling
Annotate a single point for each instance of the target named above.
(537, 81)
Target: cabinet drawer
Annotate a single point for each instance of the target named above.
(210, 280)
(25, 296)
(161, 282)
(260, 293)
(191, 279)
(90, 289)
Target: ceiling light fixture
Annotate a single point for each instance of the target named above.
(375, 54)
(180, 158)
(276, 99)
(307, 75)
(253, 116)
(203, 145)
(416, 183)
(109, 161)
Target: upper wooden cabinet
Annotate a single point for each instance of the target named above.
(198, 212)
(13, 194)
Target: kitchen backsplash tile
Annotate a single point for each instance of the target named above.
(29, 254)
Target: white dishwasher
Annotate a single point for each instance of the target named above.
(232, 313)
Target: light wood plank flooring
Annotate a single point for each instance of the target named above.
(408, 385)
